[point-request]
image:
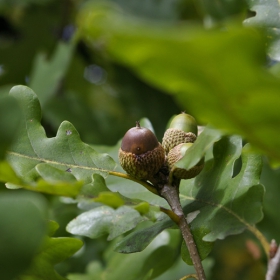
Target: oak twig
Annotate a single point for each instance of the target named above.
(171, 195)
(273, 270)
(169, 190)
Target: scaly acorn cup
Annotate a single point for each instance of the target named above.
(182, 129)
(175, 155)
(140, 154)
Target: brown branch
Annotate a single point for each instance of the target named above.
(273, 270)
(169, 190)
(171, 195)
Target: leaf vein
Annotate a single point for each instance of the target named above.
(250, 227)
(58, 163)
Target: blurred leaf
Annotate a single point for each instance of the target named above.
(155, 259)
(9, 4)
(53, 227)
(19, 241)
(270, 225)
(47, 75)
(267, 17)
(142, 208)
(94, 271)
(221, 9)
(111, 199)
(52, 161)
(10, 116)
(52, 252)
(7, 174)
(104, 219)
(153, 9)
(204, 79)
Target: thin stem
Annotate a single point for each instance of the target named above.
(189, 276)
(171, 215)
(171, 194)
(145, 184)
(261, 238)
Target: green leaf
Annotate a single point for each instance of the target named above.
(203, 143)
(10, 116)
(111, 199)
(20, 241)
(47, 74)
(94, 188)
(52, 252)
(7, 174)
(206, 80)
(52, 165)
(94, 271)
(221, 197)
(103, 220)
(267, 17)
(220, 9)
(138, 240)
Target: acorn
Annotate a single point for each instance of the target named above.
(175, 155)
(140, 154)
(182, 129)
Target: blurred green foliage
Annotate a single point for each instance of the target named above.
(97, 91)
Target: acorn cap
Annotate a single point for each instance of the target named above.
(140, 154)
(182, 129)
(175, 155)
(174, 136)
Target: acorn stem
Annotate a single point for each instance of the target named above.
(138, 124)
(171, 195)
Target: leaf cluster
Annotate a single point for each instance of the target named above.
(102, 66)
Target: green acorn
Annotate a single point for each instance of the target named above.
(182, 129)
(140, 154)
(175, 155)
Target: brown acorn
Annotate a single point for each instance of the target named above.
(175, 155)
(140, 154)
(182, 129)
